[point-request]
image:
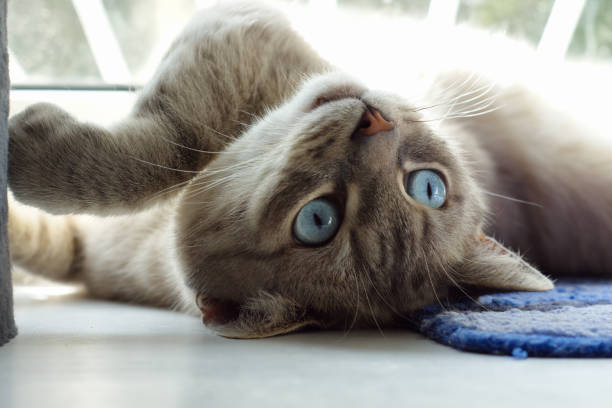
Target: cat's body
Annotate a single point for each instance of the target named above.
(549, 179)
(228, 234)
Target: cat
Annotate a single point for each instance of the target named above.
(256, 185)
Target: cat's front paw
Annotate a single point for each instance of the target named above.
(33, 150)
(38, 122)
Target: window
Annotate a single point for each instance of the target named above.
(118, 43)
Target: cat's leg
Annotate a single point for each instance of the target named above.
(63, 165)
(228, 67)
(43, 244)
(128, 258)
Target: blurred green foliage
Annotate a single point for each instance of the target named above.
(524, 19)
(139, 26)
(417, 8)
(46, 36)
(593, 36)
(48, 41)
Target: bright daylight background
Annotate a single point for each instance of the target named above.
(119, 42)
(116, 44)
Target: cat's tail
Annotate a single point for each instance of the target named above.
(44, 244)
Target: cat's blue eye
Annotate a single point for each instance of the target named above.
(427, 187)
(317, 222)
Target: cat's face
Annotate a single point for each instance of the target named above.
(340, 208)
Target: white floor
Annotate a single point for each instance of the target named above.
(74, 352)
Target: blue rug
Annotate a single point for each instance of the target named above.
(573, 320)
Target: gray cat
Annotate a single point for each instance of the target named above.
(255, 184)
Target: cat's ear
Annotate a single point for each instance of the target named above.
(492, 265)
(264, 315)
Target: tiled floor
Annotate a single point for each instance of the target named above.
(74, 352)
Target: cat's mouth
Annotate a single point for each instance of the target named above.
(216, 311)
(229, 319)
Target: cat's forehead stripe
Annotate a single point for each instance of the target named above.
(420, 145)
(292, 189)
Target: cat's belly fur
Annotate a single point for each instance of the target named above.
(138, 252)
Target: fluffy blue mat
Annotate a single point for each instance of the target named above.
(573, 320)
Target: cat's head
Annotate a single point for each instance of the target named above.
(340, 208)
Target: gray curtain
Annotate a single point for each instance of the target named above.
(7, 323)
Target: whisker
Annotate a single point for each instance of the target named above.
(516, 200)
(205, 185)
(433, 288)
(250, 114)
(232, 167)
(478, 96)
(365, 292)
(464, 82)
(168, 190)
(447, 114)
(246, 125)
(479, 106)
(187, 147)
(385, 301)
(482, 113)
(457, 116)
(231, 138)
(177, 186)
(354, 274)
(458, 286)
(457, 98)
(165, 167)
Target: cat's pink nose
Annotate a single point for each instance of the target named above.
(372, 123)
